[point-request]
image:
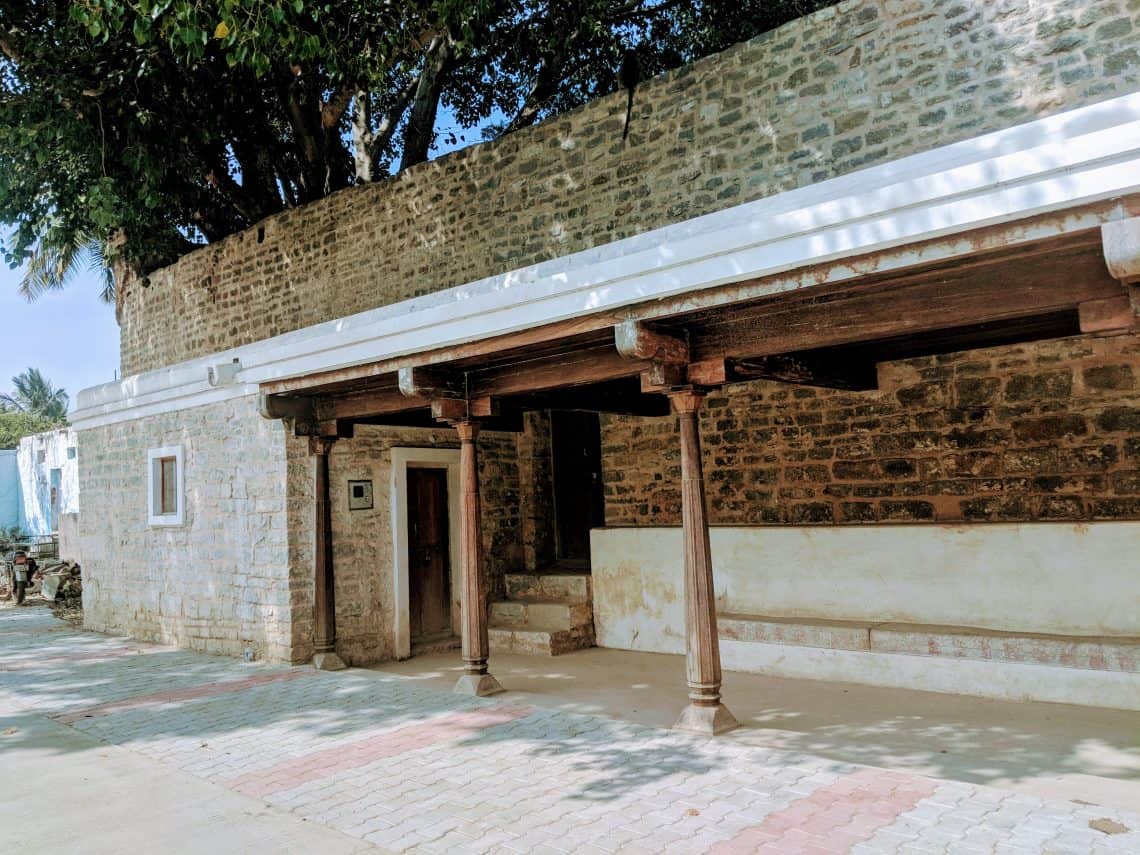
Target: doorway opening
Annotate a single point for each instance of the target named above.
(426, 564)
(576, 469)
(429, 556)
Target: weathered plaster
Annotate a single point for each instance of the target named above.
(1037, 578)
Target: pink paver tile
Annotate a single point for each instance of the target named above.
(328, 762)
(204, 690)
(835, 817)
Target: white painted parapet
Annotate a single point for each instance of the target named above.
(1056, 605)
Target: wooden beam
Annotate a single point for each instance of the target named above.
(484, 408)
(808, 370)
(1112, 314)
(937, 303)
(449, 410)
(996, 254)
(636, 340)
(429, 382)
(364, 404)
(660, 376)
(840, 372)
(592, 365)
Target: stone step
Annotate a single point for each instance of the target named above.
(956, 642)
(554, 615)
(539, 641)
(549, 587)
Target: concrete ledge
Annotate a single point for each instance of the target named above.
(998, 680)
(955, 642)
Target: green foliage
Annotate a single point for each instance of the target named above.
(33, 395)
(136, 129)
(15, 425)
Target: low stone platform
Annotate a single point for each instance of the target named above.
(544, 614)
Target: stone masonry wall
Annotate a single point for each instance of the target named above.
(219, 582)
(362, 540)
(1049, 431)
(860, 83)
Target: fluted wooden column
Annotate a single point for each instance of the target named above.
(705, 712)
(476, 643)
(325, 656)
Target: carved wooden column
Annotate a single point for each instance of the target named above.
(325, 656)
(476, 643)
(705, 712)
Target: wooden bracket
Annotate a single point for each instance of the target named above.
(282, 407)
(661, 376)
(449, 410)
(330, 429)
(635, 340)
(486, 407)
(428, 382)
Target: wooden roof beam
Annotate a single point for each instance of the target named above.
(429, 382)
(636, 340)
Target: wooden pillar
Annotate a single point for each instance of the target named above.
(325, 656)
(476, 643)
(705, 712)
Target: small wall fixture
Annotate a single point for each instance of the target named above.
(223, 374)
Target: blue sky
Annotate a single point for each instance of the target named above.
(70, 336)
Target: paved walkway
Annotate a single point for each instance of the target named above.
(383, 760)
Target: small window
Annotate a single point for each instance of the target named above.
(41, 456)
(164, 486)
(71, 452)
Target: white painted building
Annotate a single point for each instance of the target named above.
(48, 466)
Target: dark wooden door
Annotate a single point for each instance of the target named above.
(429, 567)
(579, 504)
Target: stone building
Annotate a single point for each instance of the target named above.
(871, 272)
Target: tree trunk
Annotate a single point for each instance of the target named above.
(419, 134)
(362, 137)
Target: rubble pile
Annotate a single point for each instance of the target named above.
(61, 584)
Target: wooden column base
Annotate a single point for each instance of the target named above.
(328, 661)
(480, 685)
(707, 720)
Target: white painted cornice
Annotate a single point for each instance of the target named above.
(1066, 161)
(1122, 249)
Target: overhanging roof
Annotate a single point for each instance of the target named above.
(920, 209)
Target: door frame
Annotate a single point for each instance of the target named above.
(427, 458)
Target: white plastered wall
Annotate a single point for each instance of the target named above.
(1062, 579)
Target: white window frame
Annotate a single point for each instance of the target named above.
(154, 518)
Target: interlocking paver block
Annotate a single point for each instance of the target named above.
(406, 767)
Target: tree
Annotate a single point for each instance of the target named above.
(140, 129)
(33, 395)
(15, 425)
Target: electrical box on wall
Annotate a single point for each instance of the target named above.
(359, 495)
